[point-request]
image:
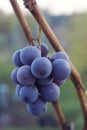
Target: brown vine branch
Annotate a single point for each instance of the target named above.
(75, 76)
(64, 124)
(30, 39)
(22, 21)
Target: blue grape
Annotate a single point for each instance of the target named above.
(37, 108)
(24, 75)
(60, 55)
(50, 92)
(28, 54)
(14, 76)
(59, 82)
(61, 69)
(16, 58)
(44, 50)
(41, 67)
(28, 94)
(18, 88)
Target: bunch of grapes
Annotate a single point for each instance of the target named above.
(38, 78)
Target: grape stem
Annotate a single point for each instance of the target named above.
(75, 76)
(22, 21)
(39, 37)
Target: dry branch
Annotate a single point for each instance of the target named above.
(22, 21)
(75, 76)
(63, 122)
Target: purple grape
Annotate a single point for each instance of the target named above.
(18, 88)
(16, 58)
(24, 75)
(59, 82)
(61, 69)
(50, 92)
(28, 94)
(28, 54)
(37, 108)
(44, 50)
(60, 55)
(41, 67)
(14, 76)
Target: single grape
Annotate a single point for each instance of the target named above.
(37, 108)
(59, 82)
(60, 55)
(28, 54)
(18, 88)
(16, 58)
(44, 49)
(14, 76)
(61, 69)
(41, 67)
(28, 94)
(24, 75)
(50, 92)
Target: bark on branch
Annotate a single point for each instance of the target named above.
(75, 76)
(23, 22)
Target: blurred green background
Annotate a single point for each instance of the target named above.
(72, 34)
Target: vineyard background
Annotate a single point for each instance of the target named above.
(72, 33)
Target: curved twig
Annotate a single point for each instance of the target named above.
(75, 76)
(30, 39)
(22, 21)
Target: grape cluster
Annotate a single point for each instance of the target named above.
(38, 77)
